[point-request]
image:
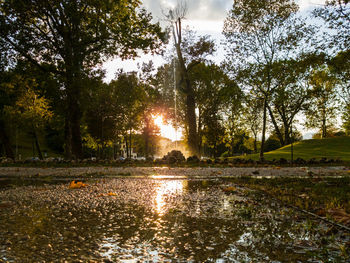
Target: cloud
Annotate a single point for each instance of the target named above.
(197, 10)
(307, 4)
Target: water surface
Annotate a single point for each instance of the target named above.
(157, 220)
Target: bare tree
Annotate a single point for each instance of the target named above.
(190, 52)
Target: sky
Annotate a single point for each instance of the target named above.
(206, 17)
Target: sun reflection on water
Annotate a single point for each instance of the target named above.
(167, 191)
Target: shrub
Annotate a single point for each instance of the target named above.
(271, 144)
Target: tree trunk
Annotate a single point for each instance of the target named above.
(67, 139)
(73, 66)
(74, 120)
(37, 144)
(200, 139)
(191, 121)
(126, 146)
(287, 135)
(147, 136)
(130, 148)
(324, 130)
(190, 104)
(263, 131)
(6, 141)
(278, 132)
(255, 144)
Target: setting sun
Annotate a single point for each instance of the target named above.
(167, 130)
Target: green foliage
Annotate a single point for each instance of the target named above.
(271, 144)
(93, 30)
(258, 35)
(70, 38)
(214, 91)
(321, 111)
(346, 119)
(336, 16)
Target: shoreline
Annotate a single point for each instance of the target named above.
(176, 171)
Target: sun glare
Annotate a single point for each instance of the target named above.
(167, 130)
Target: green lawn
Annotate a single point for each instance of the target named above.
(338, 147)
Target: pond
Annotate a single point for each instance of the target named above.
(157, 220)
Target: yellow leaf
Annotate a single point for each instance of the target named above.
(112, 194)
(76, 185)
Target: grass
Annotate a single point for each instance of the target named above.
(332, 148)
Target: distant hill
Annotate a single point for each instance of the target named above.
(337, 147)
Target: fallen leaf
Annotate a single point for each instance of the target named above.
(76, 185)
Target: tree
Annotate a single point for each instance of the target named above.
(153, 106)
(102, 116)
(336, 14)
(190, 52)
(6, 95)
(259, 33)
(291, 96)
(321, 111)
(72, 37)
(339, 67)
(130, 100)
(211, 86)
(346, 119)
(253, 117)
(32, 112)
(7, 98)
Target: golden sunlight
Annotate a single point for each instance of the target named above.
(167, 130)
(165, 191)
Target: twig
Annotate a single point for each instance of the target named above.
(304, 211)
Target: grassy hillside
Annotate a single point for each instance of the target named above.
(338, 147)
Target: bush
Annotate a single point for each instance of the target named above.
(193, 159)
(271, 144)
(174, 157)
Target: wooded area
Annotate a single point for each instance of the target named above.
(279, 66)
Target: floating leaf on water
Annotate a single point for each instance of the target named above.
(76, 185)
